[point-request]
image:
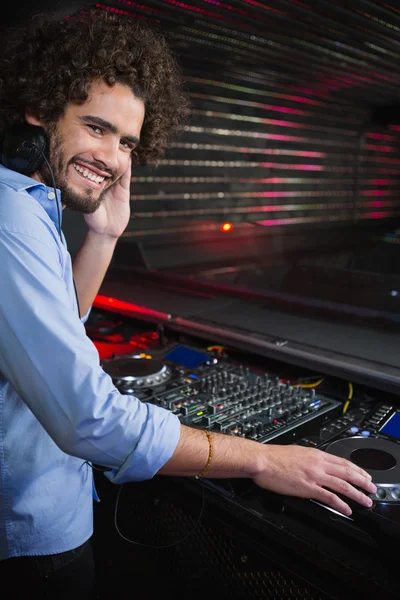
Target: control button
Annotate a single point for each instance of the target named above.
(51, 195)
(353, 429)
(395, 493)
(381, 493)
(366, 433)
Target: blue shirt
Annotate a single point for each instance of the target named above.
(58, 408)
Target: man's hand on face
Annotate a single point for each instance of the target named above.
(112, 216)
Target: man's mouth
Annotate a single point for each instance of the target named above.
(92, 178)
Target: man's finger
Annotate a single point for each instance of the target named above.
(337, 460)
(333, 501)
(337, 484)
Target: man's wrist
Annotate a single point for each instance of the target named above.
(258, 462)
(101, 239)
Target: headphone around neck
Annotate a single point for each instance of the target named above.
(23, 148)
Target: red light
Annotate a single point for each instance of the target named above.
(226, 227)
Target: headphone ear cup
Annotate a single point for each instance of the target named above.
(23, 147)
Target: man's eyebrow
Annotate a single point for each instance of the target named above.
(109, 127)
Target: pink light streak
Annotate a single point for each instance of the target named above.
(375, 215)
(389, 161)
(198, 10)
(380, 148)
(259, 5)
(298, 220)
(379, 181)
(381, 136)
(379, 203)
(376, 192)
(304, 153)
(292, 166)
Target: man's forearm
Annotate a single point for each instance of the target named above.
(231, 457)
(291, 469)
(90, 266)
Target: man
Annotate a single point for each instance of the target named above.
(106, 93)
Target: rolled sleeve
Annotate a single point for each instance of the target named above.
(160, 434)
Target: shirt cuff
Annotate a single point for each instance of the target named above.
(155, 447)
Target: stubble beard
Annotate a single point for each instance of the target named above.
(83, 201)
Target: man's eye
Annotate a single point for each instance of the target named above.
(95, 128)
(128, 145)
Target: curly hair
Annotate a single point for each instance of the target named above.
(56, 62)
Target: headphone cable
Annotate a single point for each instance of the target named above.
(59, 218)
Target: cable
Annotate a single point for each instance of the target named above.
(349, 397)
(151, 545)
(310, 385)
(77, 299)
(54, 187)
(59, 216)
(219, 349)
(101, 469)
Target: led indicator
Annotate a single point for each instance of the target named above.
(226, 227)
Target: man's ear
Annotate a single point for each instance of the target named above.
(32, 119)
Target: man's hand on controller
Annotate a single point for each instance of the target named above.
(311, 473)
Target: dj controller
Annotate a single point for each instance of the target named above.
(207, 388)
(214, 393)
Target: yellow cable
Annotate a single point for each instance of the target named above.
(349, 397)
(310, 385)
(219, 348)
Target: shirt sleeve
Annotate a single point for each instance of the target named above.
(55, 368)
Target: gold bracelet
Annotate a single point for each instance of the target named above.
(208, 434)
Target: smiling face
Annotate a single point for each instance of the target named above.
(91, 145)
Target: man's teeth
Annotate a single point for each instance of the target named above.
(88, 174)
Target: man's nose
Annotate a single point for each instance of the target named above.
(107, 154)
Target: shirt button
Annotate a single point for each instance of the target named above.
(51, 195)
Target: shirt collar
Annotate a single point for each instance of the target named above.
(43, 194)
